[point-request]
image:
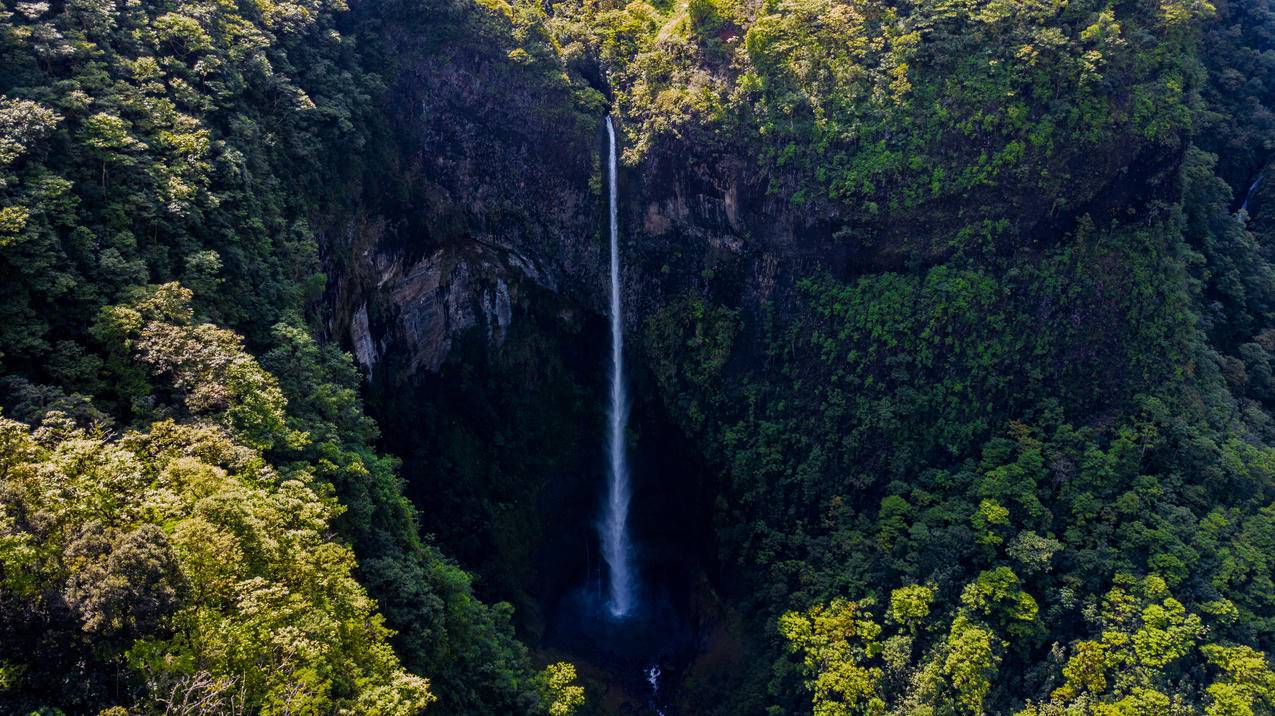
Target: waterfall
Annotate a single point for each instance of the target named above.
(614, 526)
(1249, 195)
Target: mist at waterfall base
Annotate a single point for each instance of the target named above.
(644, 654)
(659, 630)
(671, 546)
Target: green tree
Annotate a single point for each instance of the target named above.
(838, 645)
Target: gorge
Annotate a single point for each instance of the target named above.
(689, 358)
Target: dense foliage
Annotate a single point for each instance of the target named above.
(192, 569)
(905, 119)
(143, 143)
(1017, 428)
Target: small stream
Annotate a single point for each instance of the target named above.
(653, 674)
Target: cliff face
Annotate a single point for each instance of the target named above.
(498, 192)
(486, 188)
(412, 308)
(497, 182)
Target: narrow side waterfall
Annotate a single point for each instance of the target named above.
(614, 526)
(1249, 194)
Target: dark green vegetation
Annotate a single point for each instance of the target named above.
(978, 351)
(1050, 420)
(179, 526)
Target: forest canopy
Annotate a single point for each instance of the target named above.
(190, 476)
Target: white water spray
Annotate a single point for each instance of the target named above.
(614, 527)
(653, 675)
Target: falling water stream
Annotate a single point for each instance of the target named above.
(631, 624)
(1249, 194)
(615, 518)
